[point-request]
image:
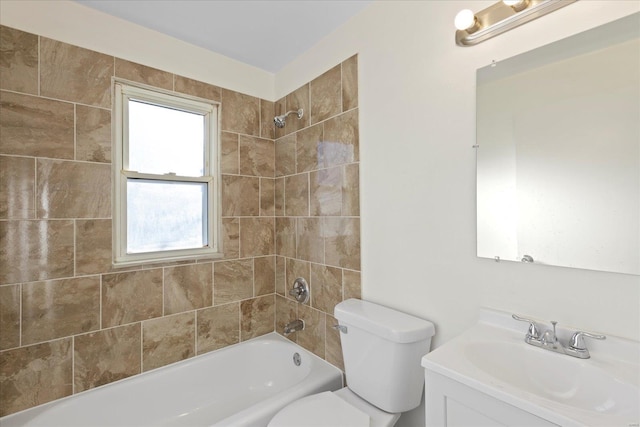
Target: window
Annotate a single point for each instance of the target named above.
(166, 180)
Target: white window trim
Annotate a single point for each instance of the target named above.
(123, 91)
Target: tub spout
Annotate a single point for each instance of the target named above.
(296, 325)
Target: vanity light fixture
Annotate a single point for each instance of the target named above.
(500, 17)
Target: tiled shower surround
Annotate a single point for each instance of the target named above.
(69, 321)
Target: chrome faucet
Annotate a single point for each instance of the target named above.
(291, 327)
(549, 340)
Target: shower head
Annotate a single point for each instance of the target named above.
(279, 121)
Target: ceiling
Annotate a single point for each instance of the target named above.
(267, 34)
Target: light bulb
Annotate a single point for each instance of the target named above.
(516, 5)
(465, 19)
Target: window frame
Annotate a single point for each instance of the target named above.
(123, 91)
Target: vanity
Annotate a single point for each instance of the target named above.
(489, 376)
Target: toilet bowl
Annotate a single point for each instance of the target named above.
(342, 408)
(382, 349)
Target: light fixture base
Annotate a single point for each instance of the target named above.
(498, 18)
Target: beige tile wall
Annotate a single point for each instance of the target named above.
(69, 321)
(317, 205)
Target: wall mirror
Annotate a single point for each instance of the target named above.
(558, 156)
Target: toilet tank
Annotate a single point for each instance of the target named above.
(382, 350)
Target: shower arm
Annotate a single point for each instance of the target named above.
(299, 113)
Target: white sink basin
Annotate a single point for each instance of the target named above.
(562, 379)
(493, 358)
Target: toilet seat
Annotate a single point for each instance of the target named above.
(342, 408)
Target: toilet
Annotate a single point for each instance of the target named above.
(382, 349)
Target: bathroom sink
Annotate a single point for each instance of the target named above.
(562, 379)
(493, 359)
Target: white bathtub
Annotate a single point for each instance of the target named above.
(240, 385)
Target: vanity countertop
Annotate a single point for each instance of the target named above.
(493, 358)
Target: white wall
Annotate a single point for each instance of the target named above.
(417, 126)
(82, 26)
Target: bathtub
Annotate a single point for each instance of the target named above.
(241, 385)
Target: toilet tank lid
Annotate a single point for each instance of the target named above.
(383, 321)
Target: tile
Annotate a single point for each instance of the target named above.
(240, 195)
(93, 246)
(93, 134)
(35, 375)
(312, 337)
(297, 99)
(257, 317)
(341, 140)
(257, 156)
(278, 204)
(286, 236)
(308, 144)
(351, 190)
(73, 189)
(17, 187)
(325, 93)
(18, 60)
(197, 88)
(267, 197)
(333, 350)
(143, 74)
(35, 250)
(9, 316)
(229, 153)
(325, 192)
(232, 281)
(351, 284)
(106, 356)
(342, 242)
(281, 274)
(168, 339)
(326, 287)
(267, 113)
(231, 237)
(59, 308)
(257, 237)
(296, 195)
(310, 240)
(188, 287)
(75, 74)
(295, 268)
(240, 113)
(131, 296)
(218, 327)
(350, 83)
(286, 311)
(285, 149)
(26, 121)
(264, 274)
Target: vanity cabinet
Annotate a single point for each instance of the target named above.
(452, 404)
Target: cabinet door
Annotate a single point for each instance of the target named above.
(452, 404)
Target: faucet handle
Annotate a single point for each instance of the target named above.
(577, 341)
(533, 329)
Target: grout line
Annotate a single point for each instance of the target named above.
(195, 333)
(75, 132)
(100, 305)
(73, 365)
(20, 313)
(75, 238)
(141, 347)
(39, 49)
(163, 291)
